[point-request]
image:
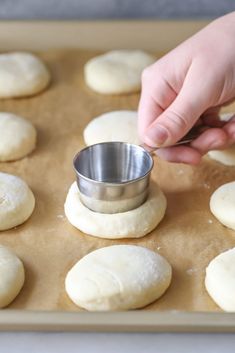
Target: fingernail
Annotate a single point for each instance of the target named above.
(157, 135)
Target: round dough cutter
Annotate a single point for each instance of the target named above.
(114, 177)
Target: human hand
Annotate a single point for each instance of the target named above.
(188, 86)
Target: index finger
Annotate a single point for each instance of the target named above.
(156, 95)
(148, 111)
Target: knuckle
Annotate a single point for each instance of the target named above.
(177, 121)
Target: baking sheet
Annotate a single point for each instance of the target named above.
(189, 236)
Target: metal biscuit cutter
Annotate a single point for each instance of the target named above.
(113, 177)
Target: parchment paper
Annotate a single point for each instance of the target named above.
(189, 236)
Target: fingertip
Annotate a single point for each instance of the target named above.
(211, 139)
(148, 112)
(156, 135)
(146, 74)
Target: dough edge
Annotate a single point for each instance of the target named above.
(132, 224)
(8, 296)
(223, 214)
(22, 210)
(129, 296)
(99, 78)
(215, 287)
(23, 145)
(41, 79)
(98, 123)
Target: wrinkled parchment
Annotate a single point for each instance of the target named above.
(189, 236)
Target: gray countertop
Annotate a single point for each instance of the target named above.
(91, 9)
(116, 343)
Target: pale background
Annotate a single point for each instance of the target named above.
(89, 9)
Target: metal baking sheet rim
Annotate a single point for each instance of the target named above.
(132, 321)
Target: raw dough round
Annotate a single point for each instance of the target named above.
(222, 204)
(17, 137)
(226, 116)
(131, 224)
(220, 280)
(11, 274)
(22, 74)
(120, 125)
(16, 201)
(117, 71)
(118, 277)
(227, 156)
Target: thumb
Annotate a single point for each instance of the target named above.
(178, 118)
